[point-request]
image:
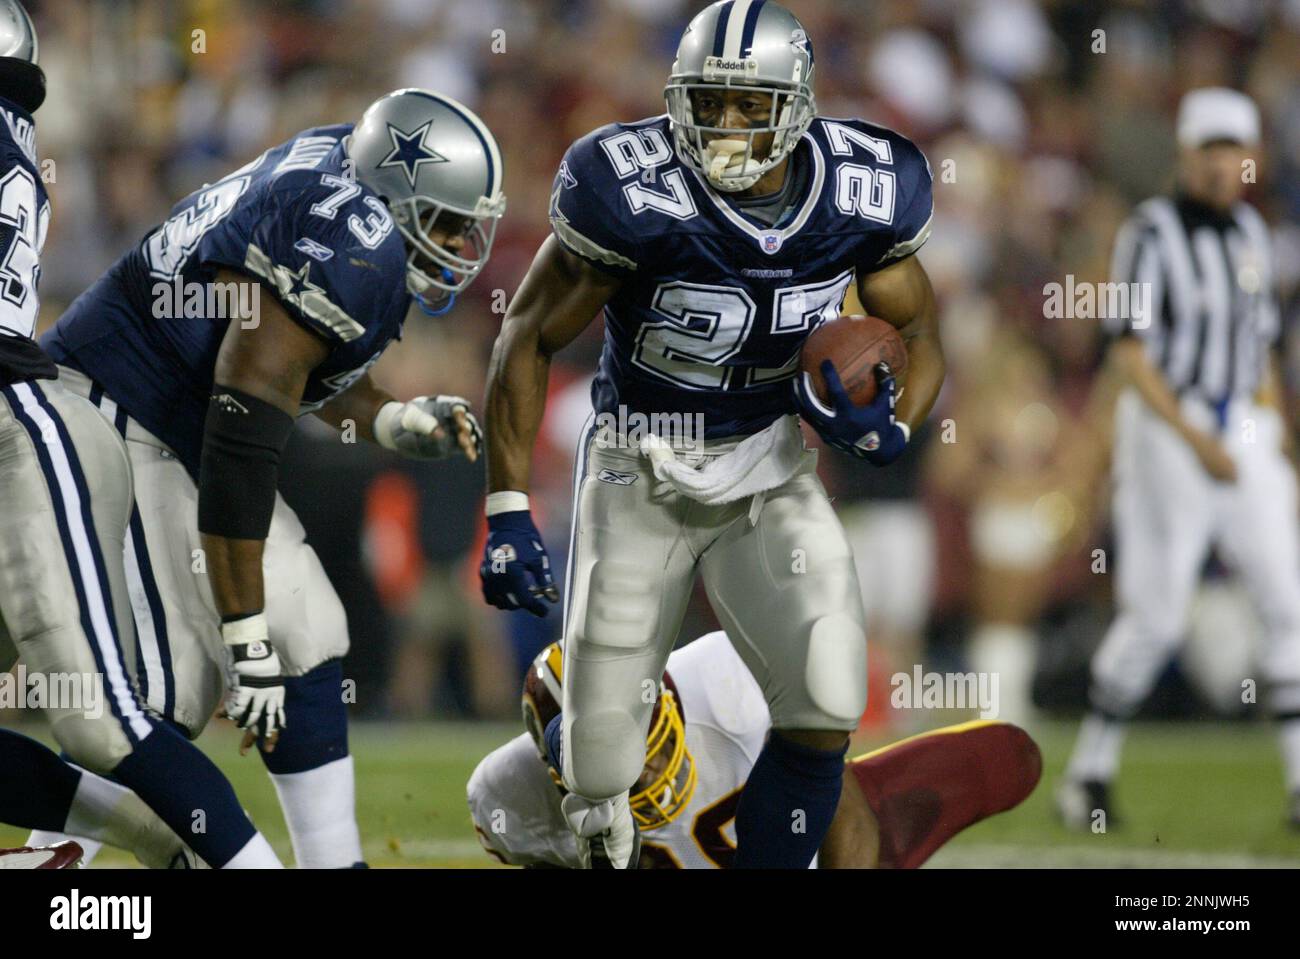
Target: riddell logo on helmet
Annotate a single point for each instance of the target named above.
(721, 67)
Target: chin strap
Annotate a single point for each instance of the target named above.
(427, 308)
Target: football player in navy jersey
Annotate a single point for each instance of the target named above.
(713, 240)
(65, 609)
(266, 295)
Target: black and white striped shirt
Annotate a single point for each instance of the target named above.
(1210, 309)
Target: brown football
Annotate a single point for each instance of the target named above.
(855, 344)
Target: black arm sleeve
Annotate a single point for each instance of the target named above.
(243, 438)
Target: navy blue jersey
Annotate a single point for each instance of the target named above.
(322, 244)
(715, 305)
(24, 220)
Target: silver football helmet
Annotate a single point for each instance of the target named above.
(20, 78)
(749, 45)
(424, 154)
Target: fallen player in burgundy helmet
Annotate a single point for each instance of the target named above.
(897, 804)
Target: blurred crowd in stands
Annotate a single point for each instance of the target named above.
(1044, 123)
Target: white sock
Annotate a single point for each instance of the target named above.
(1010, 653)
(1289, 734)
(1096, 751)
(256, 854)
(320, 809)
(108, 813)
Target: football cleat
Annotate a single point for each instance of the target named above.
(186, 858)
(1079, 802)
(61, 855)
(607, 834)
(927, 788)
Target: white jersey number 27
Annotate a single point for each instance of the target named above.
(704, 326)
(640, 151)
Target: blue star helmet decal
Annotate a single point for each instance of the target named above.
(409, 151)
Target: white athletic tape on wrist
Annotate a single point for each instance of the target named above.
(507, 501)
(386, 421)
(415, 419)
(907, 430)
(243, 632)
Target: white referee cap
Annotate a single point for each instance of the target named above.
(1217, 113)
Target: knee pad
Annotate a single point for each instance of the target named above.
(609, 747)
(95, 744)
(835, 673)
(316, 722)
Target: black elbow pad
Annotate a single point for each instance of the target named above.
(243, 438)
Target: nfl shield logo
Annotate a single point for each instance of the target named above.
(771, 242)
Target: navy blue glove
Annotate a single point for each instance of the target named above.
(868, 432)
(516, 572)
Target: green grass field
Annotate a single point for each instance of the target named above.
(1191, 794)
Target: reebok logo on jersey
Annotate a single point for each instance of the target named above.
(317, 251)
(616, 478)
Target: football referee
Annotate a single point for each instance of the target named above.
(1201, 443)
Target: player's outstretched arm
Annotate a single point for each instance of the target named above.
(357, 406)
(558, 299)
(901, 295)
(423, 428)
(257, 387)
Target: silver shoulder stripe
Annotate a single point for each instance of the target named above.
(908, 247)
(572, 238)
(312, 302)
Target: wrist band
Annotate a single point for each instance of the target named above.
(245, 631)
(386, 420)
(507, 501)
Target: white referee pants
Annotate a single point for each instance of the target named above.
(1168, 512)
